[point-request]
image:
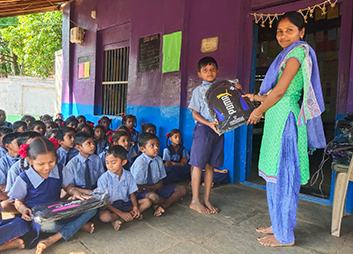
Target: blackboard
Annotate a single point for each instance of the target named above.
(149, 53)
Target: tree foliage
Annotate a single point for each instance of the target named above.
(34, 41)
(5, 64)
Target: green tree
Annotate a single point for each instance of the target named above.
(8, 63)
(34, 41)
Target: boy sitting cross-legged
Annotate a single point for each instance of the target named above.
(123, 206)
(86, 166)
(148, 171)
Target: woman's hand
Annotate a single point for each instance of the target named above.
(254, 118)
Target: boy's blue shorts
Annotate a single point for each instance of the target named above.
(207, 147)
(164, 192)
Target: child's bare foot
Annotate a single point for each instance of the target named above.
(271, 241)
(264, 230)
(198, 207)
(158, 210)
(43, 244)
(88, 227)
(14, 244)
(116, 224)
(210, 207)
(140, 217)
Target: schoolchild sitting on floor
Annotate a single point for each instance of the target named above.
(148, 171)
(17, 168)
(28, 119)
(10, 144)
(149, 127)
(122, 138)
(38, 126)
(51, 125)
(66, 139)
(99, 137)
(42, 184)
(46, 118)
(20, 126)
(175, 158)
(81, 119)
(51, 133)
(86, 166)
(71, 122)
(105, 123)
(3, 132)
(123, 206)
(130, 121)
(3, 122)
(87, 128)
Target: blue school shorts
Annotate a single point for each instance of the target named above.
(165, 192)
(207, 147)
(122, 206)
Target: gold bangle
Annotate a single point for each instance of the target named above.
(256, 115)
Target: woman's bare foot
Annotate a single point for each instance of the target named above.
(210, 207)
(198, 207)
(271, 241)
(158, 210)
(116, 224)
(264, 230)
(14, 244)
(88, 227)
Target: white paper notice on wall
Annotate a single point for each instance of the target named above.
(209, 44)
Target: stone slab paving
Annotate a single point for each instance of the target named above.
(181, 230)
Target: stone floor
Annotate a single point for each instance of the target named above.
(181, 230)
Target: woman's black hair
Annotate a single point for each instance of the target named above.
(117, 151)
(171, 133)
(24, 136)
(36, 147)
(85, 125)
(294, 17)
(118, 134)
(146, 126)
(123, 121)
(32, 125)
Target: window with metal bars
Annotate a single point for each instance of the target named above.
(115, 81)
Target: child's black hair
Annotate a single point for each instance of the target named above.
(25, 136)
(18, 124)
(46, 117)
(118, 134)
(85, 125)
(31, 118)
(61, 122)
(38, 146)
(294, 17)
(105, 117)
(123, 121)
(80, 116)
(117, 151)
(51, 132)
(54, 125)
(146, 126)
(171, 133)
(81, 137)
(70, 119)
(62, 132)
(5, 130)
(144, 137)
(124, 128)
(9, 138)
(206, 61)
(32, 125)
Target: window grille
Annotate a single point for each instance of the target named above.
(115, 81)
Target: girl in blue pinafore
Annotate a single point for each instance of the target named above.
(290, 128)
(41, 183)
(130, 121)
